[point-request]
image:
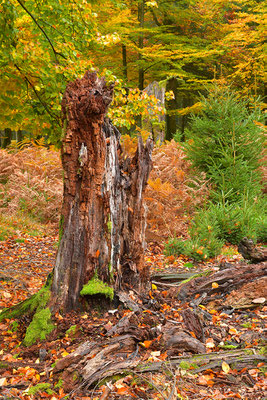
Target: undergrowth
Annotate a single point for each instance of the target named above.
(173, 191)
(30, 185)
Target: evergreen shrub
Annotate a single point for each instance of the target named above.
(226, 142)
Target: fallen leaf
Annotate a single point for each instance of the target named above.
(3, 381)
(146, 343)
(259, 300)
(225, 367)
(215, 285)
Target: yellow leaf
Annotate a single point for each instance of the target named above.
(154, 287)
(225, 367)
(64, 353)
(215, 285)
(3, 381)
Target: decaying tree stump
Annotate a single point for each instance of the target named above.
(103, 219)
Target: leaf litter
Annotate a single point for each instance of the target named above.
(168, 368)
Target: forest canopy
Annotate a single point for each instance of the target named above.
(183, 45)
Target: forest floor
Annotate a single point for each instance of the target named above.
(163, 372)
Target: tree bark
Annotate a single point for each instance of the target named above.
(141, 19)
(6, 138)
(250, 252)
(103, 218)
(171, 109)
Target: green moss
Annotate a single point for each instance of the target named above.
(39, 388)
(263, 350)
(71, 331)
(37, 302)
(96, 286)
(39, 328)
(14, 326)
(204, 273)
(247, 325)
(228, 346)
(75, 376)
(3, 365)
(59, 384)
(187, 365)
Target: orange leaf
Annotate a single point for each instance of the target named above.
(146, 343)
(123, 390)
(97, 253)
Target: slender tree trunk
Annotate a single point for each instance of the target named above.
(6, 138)
(103, 219)
(141, 19)
(171, 109)
(124, 62)
(19, 135)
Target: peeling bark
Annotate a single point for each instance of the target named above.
(103, 217)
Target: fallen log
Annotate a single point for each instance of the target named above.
(227, 280)
(201, 362)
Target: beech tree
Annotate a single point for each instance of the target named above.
(101, 248)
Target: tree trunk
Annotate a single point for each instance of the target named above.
(141, 19)
(6, 138)
(124, 62)
(103, 220)
(171, 109)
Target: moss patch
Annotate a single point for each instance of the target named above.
(71, 331)
(41, 387)
(39, 328)
(96, 286)
(187, 365)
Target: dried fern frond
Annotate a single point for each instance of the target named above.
(173, 191)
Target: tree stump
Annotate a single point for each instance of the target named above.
(103, 217)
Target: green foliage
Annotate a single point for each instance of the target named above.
(39, 388)
(174, 247)
(95, 286)
(197, 248)
(226, 142)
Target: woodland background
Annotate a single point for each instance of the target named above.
(189, 74)
(162, 56)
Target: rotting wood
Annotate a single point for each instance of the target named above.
(193, 323)
(103, 215)
(227, 279)
(251, 252)
(175, 340)
(202, 362)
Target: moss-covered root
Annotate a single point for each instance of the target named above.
(41, 324)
